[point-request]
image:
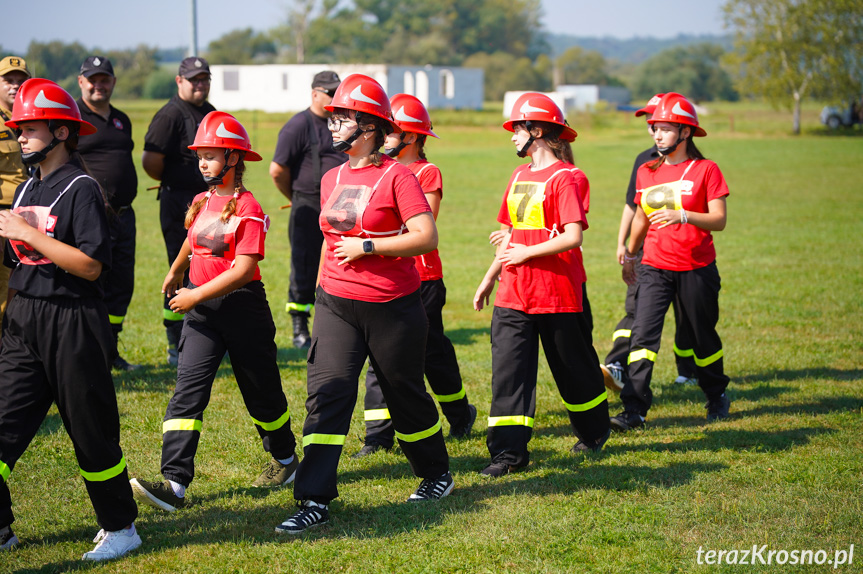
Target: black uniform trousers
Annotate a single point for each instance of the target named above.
(173, 205)
(56, 350)
(241, 324)
(120, 278)
(306, 238)
(441, 370)
(568, 346)
(683, 337)
(393, 337)
(697, 292)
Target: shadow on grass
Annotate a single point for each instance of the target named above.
(798, 374)
(717, 439)
(468, 336)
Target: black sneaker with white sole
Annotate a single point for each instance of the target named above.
(626, 421)
(309, 515)
(157, 494)
(433, 488)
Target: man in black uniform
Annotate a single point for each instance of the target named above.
(167, 158)
(304, 152)
(108, 158)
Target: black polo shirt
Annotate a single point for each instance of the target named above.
(171, 133)
(108, 154)
(293, 150)
(81, 222)
(642, 158)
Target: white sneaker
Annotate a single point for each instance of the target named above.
(681, 380)
(111, 545)
(612, 376)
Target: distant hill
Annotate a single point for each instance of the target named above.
(632, 50)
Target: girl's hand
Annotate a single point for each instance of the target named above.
(173, 282)
(629, 272)
(515, 254)
(665, 217)
(349, 249)
(483, 292)
(13, 226)
(497, 237)
(184, 301)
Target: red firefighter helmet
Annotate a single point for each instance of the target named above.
(676, 109)
(533, 106)
(222, 130)
(650, 107)
(43, 100)
(362, 94)
(411, 115)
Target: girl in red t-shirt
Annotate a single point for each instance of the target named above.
(441, 365)
(540, 295)
(375, 219)
(226, 310)
(681, 200)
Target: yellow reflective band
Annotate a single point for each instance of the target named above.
(586, 406)
(683, 352)
(5, 471)
(642, 354)
(316, 438)
(450, 398)
(105, 474)
(116, 319)
(418, 436)
(276, 424)
(299, 308)
(171, 316)
(377, 415)
(709, 360)
(621, 333)
(182, 425)
(514, 420)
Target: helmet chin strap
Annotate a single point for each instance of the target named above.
(395, 151)
(523, 151)
(34, 157)
(345, 145)
(670, 149)
(218, 179)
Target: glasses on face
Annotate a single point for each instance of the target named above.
(199, 81)
(336, 124)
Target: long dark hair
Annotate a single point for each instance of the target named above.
(381, 128)
(550, 133)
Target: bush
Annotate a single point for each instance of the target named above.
(160, 85)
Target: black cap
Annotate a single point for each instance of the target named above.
(191, 67)
(328, 81)
(96, 65)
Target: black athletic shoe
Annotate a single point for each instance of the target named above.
(309, 515)
(302, 338)
(464, 431)
(433, 488)
(626, 421)
(498, 469)
(717, 409)
(594, 446)
(121, 364)
(8, 540)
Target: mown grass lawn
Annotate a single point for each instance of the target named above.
(786, 470)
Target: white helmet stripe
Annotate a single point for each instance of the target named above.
(42, 101)
(402, 116)
(526, 108)
(223, 132)
(677, 110)
(357, 94)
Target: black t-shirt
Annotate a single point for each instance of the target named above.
(171, 133)
(78, 219)
(644, 157)
(293, 151)
(108, 154)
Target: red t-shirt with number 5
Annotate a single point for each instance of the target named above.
(215, 244)
(369, 202)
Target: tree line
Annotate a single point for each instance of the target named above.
(784, 50)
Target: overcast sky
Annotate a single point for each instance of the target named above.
(110, 24)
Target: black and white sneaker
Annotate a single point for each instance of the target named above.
(433, 488)
(8, 540)
(309, 515)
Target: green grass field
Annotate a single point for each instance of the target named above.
(786, 470)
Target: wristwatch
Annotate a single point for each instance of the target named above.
(368, 246)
